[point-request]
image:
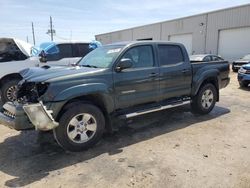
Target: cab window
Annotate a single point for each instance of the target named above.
(141, 56)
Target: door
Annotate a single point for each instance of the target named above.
(185, 39)
(234, 43)
(140, 83)
(175, 73)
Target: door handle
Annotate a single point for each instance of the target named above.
(153, 74)
(185, 71)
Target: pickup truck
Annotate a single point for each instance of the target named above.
(110, 84)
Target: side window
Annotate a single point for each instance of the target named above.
(141, 56)
(83, 49)
(53, 50)
(216, 58)
(170, 54)
(207, 58)
(65, 50)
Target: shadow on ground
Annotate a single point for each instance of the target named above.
(21, 156)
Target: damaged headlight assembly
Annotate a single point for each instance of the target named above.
(40, 117)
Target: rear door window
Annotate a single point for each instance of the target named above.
(65, 50)
(170, 55)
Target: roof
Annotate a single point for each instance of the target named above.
(125, 43)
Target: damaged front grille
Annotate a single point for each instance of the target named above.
(31, 91)
(9, 114)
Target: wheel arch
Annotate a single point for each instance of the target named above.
(214, 80)
(98, 100)
(9, 77)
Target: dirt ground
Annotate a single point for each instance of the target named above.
(172, 148)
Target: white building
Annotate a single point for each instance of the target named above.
(225, 32)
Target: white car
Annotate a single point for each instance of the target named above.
(16, 55)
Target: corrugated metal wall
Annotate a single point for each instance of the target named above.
(204, 28)
(225, 19)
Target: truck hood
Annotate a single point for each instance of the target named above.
(23, 46)
(50, 74)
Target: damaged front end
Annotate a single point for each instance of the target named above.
(29, 112)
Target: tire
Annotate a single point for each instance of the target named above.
(205, 99)
(8, 90)
(234, 69)
(243, 84)
(76, 134)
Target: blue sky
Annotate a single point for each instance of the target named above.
(82, 20)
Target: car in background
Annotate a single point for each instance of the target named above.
(236, 65)
(62, 53)
(16, 55)
(205, 58)
(244, 75)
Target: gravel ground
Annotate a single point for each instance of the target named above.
(171, 148)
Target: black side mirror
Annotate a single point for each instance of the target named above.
(124, 64)
(43, 57)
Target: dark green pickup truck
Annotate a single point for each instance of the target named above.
(116, 81)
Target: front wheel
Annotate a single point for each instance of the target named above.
(205, 99)
(80, 127)
(243, 84)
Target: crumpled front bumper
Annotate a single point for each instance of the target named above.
(27, 116)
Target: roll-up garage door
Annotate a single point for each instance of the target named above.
(234, 43)
(185, 39)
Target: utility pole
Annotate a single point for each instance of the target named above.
(27, 39)
(33, 33)
(51, 29)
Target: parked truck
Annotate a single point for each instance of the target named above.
(114, 82)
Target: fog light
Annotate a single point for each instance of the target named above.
(40, 117)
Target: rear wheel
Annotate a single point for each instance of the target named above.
(80, 127)
(234, 69)
(205, 99)
(9, 90)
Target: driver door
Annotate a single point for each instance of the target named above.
(140, 83)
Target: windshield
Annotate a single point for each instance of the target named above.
(101, 57)
(47, 47)
(246, 56)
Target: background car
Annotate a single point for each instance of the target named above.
(205, 58)
(244, 75)
(236, 65)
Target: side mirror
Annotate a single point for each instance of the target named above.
(124, 64)
(43, 57)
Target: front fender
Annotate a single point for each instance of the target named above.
(98, 89)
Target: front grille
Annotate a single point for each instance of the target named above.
(9, 114)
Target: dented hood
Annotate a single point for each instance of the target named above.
(23, 46)
(50, 74)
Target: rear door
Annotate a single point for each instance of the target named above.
(139, 84)
(175, 73)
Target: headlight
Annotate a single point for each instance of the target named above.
(242, 70)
